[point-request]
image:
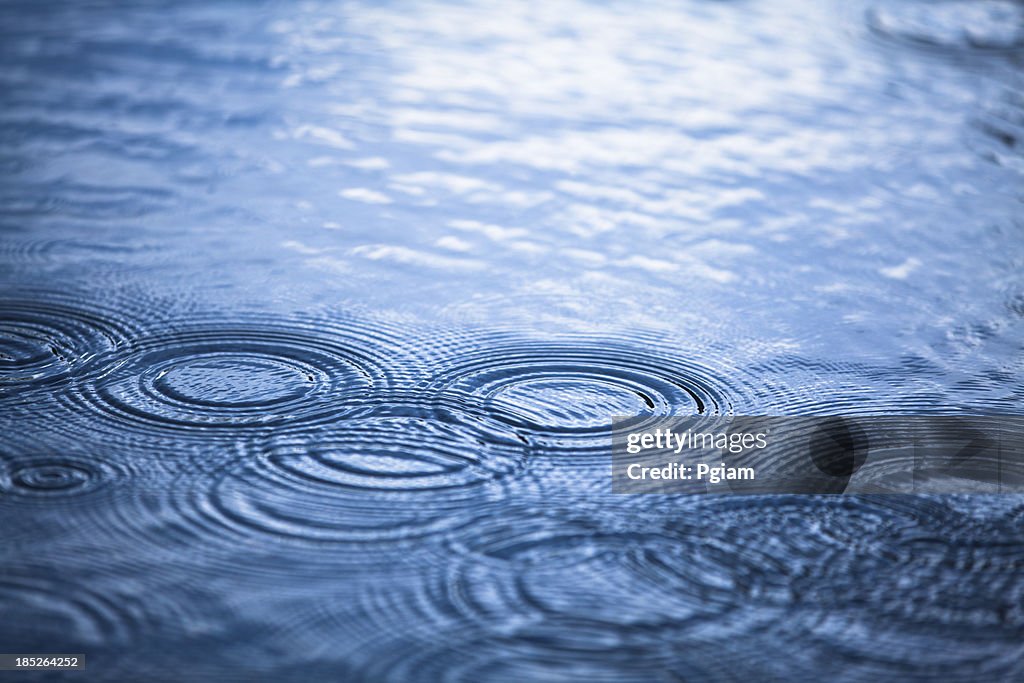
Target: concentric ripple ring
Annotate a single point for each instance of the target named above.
(380, 473)
(44, 340)
(566, 394)
(238, 376)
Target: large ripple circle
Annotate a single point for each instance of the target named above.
(567, 394)
(379, 473)
(225, 377)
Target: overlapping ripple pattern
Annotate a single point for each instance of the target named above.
(314, 317)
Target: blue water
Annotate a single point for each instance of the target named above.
(313, 316)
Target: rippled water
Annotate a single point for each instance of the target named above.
(313, 316)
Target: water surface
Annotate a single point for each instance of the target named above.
(313, 316)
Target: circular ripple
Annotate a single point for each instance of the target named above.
(403, 448)
(226, 377)
(380, 473)
(44, 340)
(523, 586)
(952, 24)
(566, 394)
(523, 567)
(74, 569)
(51, 477)
(77, 495)
(235, 380)
(48, 476)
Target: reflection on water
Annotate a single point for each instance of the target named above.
(313, 317)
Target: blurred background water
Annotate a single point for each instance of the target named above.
(313, 315)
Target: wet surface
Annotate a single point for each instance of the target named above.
(313, 317)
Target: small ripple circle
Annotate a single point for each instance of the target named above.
(45, 340)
